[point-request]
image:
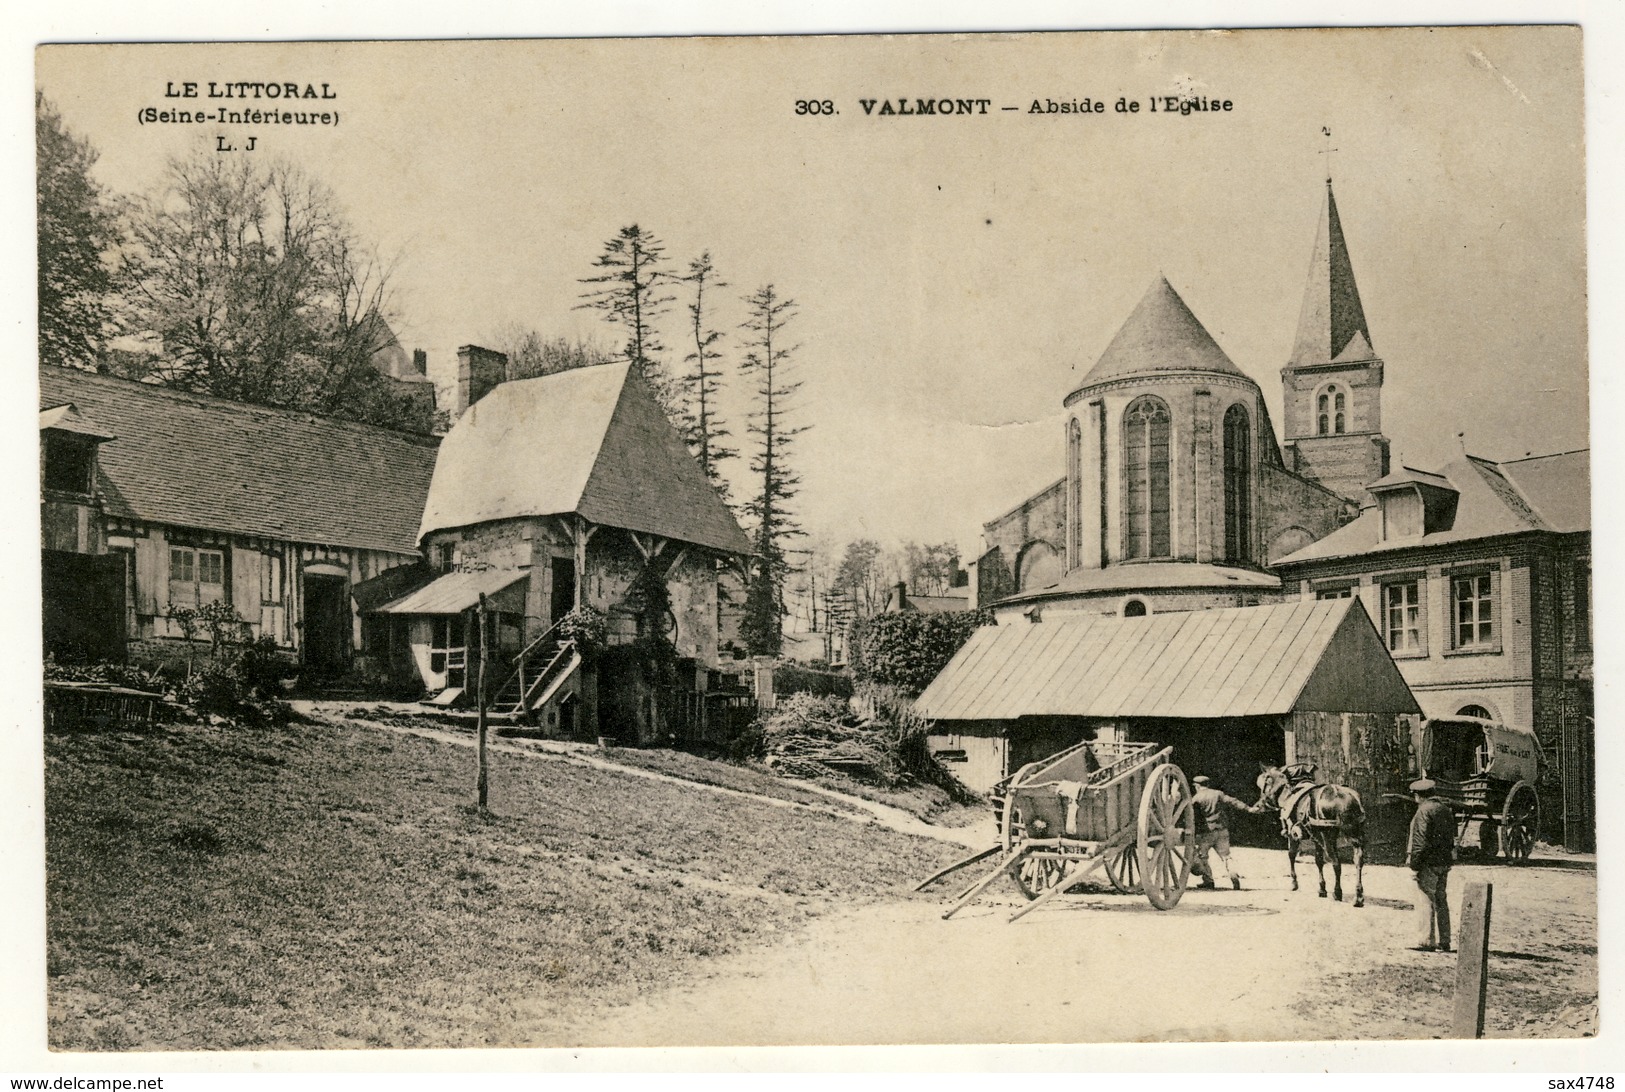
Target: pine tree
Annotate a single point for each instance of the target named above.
(631, 292)
(77, 229)
(767, 360)
(702, 425)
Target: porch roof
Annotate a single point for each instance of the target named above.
(454, 593)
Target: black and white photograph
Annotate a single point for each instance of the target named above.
(872, 540)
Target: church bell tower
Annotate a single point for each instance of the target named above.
(1332, 385)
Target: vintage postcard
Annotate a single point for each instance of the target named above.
(1045, 538)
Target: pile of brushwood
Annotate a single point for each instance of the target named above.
(881, 742)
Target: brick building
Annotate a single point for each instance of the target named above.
(1479, 578)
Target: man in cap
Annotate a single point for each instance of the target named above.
(1211, 808)
(1430, 853)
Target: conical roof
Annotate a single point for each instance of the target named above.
(1161, 335)
(1331, 326)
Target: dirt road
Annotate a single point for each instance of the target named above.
(1260, 964)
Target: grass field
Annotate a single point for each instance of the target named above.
(330, 886)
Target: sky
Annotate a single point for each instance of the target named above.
(955, 276)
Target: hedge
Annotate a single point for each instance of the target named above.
(907, 650)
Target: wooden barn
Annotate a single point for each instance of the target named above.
(1227, 689)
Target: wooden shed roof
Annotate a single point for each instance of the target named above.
(590, 441)
(1309, 656)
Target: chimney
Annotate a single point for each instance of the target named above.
(420, 362)
(478, 371)
(900, 595)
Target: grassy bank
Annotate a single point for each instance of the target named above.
(328, 886)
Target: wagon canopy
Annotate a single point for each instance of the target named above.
(1307, 656)
(1506, 752)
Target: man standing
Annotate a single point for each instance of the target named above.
(1211, 810)
(1430, 853)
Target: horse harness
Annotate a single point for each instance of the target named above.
(1292, 824)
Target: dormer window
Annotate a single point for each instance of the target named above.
(1413, 503)
(70, 462)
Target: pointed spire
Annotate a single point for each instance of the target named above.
(1331, 325)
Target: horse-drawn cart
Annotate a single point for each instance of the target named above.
(1121, 808)
(1486, 772)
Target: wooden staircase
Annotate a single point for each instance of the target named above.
(544, 666)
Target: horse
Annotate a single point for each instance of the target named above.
(1320, 814)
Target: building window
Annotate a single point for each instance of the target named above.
(70, 463)
(446, 556)
(1134, 608)
(1331, 411)
(1402, 615)
(1145, 468)
(1238, 492)
(1074, 482)
(197, 577)
(1473, 598)
(1344, 592)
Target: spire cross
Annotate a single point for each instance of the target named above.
(1327, 152)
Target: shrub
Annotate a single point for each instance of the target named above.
(793, 678)
(907, 650)
(223, 688)
(588, 628)
(126, 675)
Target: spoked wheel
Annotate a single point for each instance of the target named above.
(1037, 875)
(1123, 870)
(1520, 821)
(1167, 836)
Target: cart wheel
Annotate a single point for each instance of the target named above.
(1033, 877)
(1123, 870)
(1167, 842)
(1520, 821)
(1037, 875)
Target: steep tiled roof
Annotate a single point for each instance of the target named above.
(1160, 335)
(196, 461)
(67, 418)
(590, 441)
(1331, 326)
(1551, 493)
(1308, 656)
(1556, 486)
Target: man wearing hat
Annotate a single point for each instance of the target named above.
(1430, 854)
(1210, 807)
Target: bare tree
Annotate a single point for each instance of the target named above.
(931, 568)
(256, 289)
(865, 576)
(530, 353)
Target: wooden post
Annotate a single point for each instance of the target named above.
(1472, 961)
(484, 779)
